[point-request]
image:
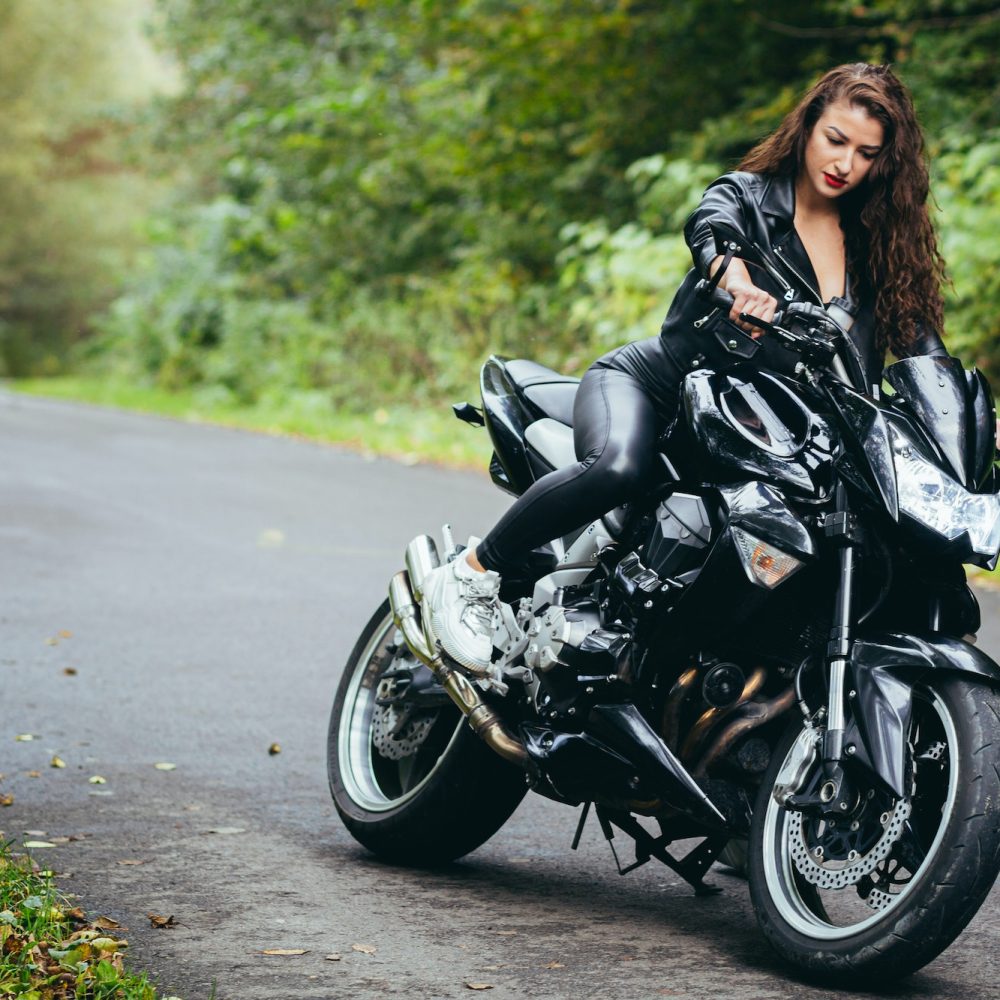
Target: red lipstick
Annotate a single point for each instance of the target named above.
(834, 182)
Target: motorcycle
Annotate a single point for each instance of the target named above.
(772, 652)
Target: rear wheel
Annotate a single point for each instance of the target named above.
(879, 895)
(409, 778)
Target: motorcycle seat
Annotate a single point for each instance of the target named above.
(548, 391)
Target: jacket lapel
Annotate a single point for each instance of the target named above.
(778, 204)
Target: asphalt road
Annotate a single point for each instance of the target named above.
(205, 585)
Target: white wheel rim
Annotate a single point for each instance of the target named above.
(354, 743)
(779, 868)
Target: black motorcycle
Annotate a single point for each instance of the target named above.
(772, 652)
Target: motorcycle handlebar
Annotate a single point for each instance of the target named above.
(813, 342)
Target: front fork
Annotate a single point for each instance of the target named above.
(836, 796)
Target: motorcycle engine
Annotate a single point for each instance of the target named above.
(555, 629)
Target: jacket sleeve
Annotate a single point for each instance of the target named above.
(723, 201)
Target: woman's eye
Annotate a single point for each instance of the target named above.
(835, 142)
(869, 156)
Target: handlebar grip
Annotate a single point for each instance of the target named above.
(718, 296)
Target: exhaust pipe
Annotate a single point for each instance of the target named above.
(421, 558)
(485, 723)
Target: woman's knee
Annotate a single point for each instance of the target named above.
(618, 474)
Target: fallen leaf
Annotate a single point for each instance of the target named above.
(226, 830)
(64, 633)
(555, 965)
(57, 761)
(479, 986)
(333, 958)
(274, 748)
(627, 958)
(51, 641)
(98, 780)
(36, 833)
(38, 843)
(365, 949)
(106, 924)
(506, 933)
(285, 951)
(70, 671)
(165, 766)
(60, 840)
(34, 774)
(157, 921)
(76, 914)
(6, 800)
(130, 861)
(24, 737)
(272, 538)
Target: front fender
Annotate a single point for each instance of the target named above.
(885, 667)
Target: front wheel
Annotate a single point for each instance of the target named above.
(409, 778)
(879, 895)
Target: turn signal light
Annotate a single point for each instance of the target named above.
(764, 564)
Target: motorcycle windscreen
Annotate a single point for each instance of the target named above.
(956, 409)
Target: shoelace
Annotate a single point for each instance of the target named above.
(482, 610)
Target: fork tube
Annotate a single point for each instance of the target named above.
(839, 647)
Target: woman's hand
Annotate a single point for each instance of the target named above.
(747, 297)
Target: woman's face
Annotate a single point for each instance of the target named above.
(841, 149)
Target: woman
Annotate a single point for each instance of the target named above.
(837, 194)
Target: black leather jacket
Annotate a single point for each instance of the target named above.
(762, 207)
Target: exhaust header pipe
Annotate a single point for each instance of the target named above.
(484, 721)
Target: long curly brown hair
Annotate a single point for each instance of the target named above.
(892, 251)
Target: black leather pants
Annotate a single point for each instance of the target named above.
(617, 420)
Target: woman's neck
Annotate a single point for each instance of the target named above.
(811, 205)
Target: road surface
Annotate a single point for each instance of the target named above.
(181, 594)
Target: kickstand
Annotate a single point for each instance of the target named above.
(579, 826)
(692, 867)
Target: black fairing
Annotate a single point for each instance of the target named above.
(723, 589)
(747, 422)
(761, 510)
(956, 409)
(866, 423)
(506, 420)
(885, 668)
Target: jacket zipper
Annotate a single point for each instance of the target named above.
(805, 284)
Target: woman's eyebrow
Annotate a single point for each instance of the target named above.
(833, 128)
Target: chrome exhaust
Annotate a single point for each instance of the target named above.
(421, 557)
(485, 723)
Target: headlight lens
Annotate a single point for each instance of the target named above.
(937, 501)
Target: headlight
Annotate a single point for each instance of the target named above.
(937, 501)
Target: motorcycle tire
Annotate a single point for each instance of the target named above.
(955, 824)
(426, 807)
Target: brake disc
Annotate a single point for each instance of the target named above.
(407, 741)
(814, 871)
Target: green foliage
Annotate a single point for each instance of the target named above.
(367, 198)
(67, 203)
(48, 951)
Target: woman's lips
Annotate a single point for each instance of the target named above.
(834, 181)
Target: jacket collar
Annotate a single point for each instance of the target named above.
(778, 197)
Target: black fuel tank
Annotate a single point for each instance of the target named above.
(746, 423)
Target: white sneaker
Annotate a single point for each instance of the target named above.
(461, 609)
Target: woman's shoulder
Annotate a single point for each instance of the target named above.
(744, 181)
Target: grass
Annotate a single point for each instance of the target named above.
(49, 950)
(410, 434)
